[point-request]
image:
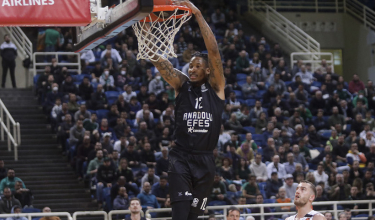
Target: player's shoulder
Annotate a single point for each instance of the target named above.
(290, 217)
(318, 216)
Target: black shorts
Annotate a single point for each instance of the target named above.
(190, 178)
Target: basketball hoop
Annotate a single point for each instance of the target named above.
(157, 38)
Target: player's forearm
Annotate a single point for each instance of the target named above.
(208, 36)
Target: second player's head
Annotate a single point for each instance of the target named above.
(199, 70)
(305, 193)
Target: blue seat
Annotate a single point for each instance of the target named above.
(316, 84)
(112, 94)
(156, 120)
(238, 93)
(79, 77)
(287, 83)
(31, 210)
(262, 185)
(241, 76)
(112, 100)
(250, 102)
(242, 137)
(216, 203)
(241, 83)
(81, 102)
(260, 151)
(326, 135)
(260, 94)
(102, 113)
(250, 129)
(91, 111)
(348, 127)
(361, 215)
(36, 77)
(130, 122)
(134, 130)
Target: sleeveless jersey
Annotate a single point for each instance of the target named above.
(197, 118)
(308, 216)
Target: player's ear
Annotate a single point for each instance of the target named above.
(208, 71)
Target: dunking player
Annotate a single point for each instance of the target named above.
(199, 105)
(304, 197)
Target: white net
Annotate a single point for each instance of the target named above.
(155, 38)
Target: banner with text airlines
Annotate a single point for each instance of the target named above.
(44, 12)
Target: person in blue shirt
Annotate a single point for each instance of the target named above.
(148, 200)
(161, 190)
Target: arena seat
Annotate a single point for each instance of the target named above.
(110, 94)
(241, 76)
(250, 129)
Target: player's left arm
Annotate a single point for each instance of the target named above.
(217, 80)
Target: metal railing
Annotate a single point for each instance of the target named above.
(36, 63)
(352, 7)
(100, 213)
(22, 42)
(309, 58)
(38, 214)
(262, 213)
(284, 27)
(120, 212)
(5, 128)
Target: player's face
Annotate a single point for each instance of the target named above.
(197, 70)
(303, 195)
(135, 206)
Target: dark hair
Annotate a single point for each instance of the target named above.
(204, 56)
(6, 35)
(312, 186)
(135, 199)
(163, 178)
(231, 209)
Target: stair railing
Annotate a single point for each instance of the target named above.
(14, 138)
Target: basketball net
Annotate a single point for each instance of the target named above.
(156, 41)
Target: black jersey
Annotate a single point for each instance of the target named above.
(198, 118)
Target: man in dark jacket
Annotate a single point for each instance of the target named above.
(9, 55)
(273, 185)
(85, 89)
(122, 182)
(99, 99)
(105, 177)
(121, 201)
(23, 195)
(3, 170)
(8, 201)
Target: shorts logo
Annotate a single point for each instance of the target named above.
(180, 194)
(188, 194)
(195, 202)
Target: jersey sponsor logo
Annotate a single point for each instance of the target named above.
(197, 122)
(195, 202)
(180, 193)
(188, 194)
(204, 88)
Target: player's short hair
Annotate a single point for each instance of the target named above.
(231, 209)
(204, 56)
(135, 199)
(312, 186)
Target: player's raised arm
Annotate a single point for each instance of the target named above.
(216, 78)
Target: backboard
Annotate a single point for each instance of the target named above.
(107, 23)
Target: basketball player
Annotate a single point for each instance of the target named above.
(199, 105)
(304, 197)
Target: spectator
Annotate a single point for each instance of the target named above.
(306, 76)
(8, 201)
(147, 199)
(259, 78)
(299, 158)
(140, 114)
(150, 177)
(72, 104)
(243, 63)
(356, 85)
(343, 93)
(321, 176)
(77, 132)
(354, 155)
(99, 99)
(340, 191)
(105, 176)
(124, 170)
(17, 210)
(10, 181)
(94, 164)
(47, 210)
(259, 169)
(122, 182)
(23, 195)
(9, 55)
(250, 189)
(301, 94)
(319, 122)
(107, 81)
(259, 200)
(233, 102)
(147, 155)
(234, 124)
(91, 124)
(121, 202)
(275, 166)
(161, 190)
(328, 215)
(131, 156)
(218, 189)
(163, 163)
(283, 199)
(3, 170)
(135, 210)
(357, 124)
(321, 198)
(85, 89)
(290, 186)
(279, 84)
(317, 103)
(144, 132)
(261, 123)
(156, 85)
(114, 54)
(336, 118)
(355, 172)
(82, 112)
(290, 165)
(68, 87)
(187, 54)
(249, 89)
(269, 96)
(273, 185)
(52, 39)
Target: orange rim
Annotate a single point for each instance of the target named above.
(158, 8)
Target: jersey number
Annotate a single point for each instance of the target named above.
(198, 103)
(204, 202)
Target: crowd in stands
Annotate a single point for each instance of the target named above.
(281, 125)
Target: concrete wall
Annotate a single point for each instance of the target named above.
(19, 72)
(350, 35)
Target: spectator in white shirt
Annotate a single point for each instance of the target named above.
(290, 186)
(139, 115)
(275, 166)
(156, 85)
(107, 81)
(57, 109)
(88, 57)
(114, 53)
(370, 139)
(321, 176)
(129, 93)
(306, 76)
(259, 169)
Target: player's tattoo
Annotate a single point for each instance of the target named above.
(166, 70)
